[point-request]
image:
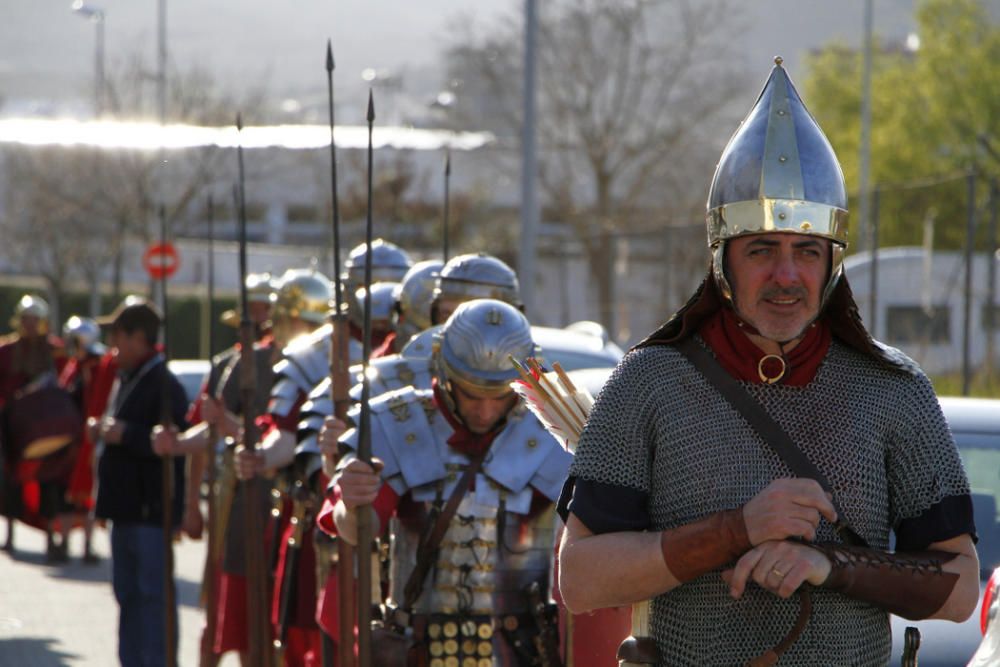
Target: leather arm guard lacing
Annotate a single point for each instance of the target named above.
(912, 584)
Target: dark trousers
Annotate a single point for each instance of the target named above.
(137, 564)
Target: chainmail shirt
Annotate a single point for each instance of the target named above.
(878, 435)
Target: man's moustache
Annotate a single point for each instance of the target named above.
(787, 292)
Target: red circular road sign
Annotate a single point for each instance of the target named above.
(161, 260)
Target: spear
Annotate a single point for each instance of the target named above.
(447, 198)
(339, 387)
(167, 493)
(211, 557)
(364, 523)
(258, 618)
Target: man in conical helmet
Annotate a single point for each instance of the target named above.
(729, 531)
(499, 541)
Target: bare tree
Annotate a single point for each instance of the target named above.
(68, 211)
(631, 98)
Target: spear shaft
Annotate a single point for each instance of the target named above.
(258, 618)
(364, 522)
(339, 387)
(208, 658)
(447, 200)
(166, 421)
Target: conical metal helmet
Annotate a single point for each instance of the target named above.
(778, 174)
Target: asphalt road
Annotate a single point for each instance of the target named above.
(65, 615)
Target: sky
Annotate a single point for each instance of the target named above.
(47, 51)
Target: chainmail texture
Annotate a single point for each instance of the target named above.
(878, 435)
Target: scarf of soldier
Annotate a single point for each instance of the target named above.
(726, 335)
(463, 440)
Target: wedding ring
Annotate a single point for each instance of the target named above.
(781, 575)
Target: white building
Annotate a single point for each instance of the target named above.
(919, 304)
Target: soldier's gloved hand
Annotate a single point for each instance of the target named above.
(249, 464)
(787, 508)
(778, 566)
(359, 482)
(164, 440)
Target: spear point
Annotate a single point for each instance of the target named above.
(371, 106)
(329, 56)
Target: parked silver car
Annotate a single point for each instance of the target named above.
(975, 423)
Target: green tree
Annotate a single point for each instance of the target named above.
(935, 115)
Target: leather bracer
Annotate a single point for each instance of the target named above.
(705, 545)
(911, 584)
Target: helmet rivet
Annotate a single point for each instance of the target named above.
(778, 60)
(782, 158)
(493, 317)
(781, 112)
(781, 216)
(805, 226)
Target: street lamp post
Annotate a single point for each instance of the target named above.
(96, 16)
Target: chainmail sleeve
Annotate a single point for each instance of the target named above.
(609, 478)
(923, 467)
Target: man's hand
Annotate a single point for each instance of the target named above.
(249, 463)
(110, 430)
(164, 440)
(211, 410)
(327, 440)
(787, 508)
(359, 483)
(93, 428)
(193, 523)
(780, 566)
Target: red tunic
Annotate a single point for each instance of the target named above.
(21, 361)
(82, 377)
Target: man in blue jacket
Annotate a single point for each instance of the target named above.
(130, 479)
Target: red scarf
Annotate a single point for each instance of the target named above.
(378, 336)
(727, 336)
(387, 347)
(465, 441)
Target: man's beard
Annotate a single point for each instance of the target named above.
(785, 333)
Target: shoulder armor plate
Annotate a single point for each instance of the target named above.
(525, 453)
(392, 373)
(406, 436)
